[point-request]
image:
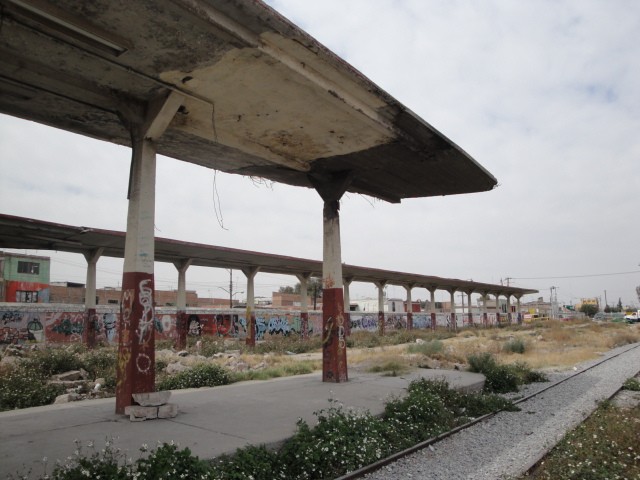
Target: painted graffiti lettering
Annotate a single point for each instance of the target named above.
(11, 317)
(143, 363)
(68, 327)
(145, 324)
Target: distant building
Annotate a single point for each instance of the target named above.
(24, 278)
(74, 293)
(292, 301)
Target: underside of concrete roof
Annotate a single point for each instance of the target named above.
(258, 96)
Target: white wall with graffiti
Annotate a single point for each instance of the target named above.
(59, 323)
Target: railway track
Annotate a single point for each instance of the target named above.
(546, 390)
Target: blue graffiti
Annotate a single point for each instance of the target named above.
(279, 326)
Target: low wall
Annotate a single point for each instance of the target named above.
(64, 323)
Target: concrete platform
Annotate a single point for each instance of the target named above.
(211, 421)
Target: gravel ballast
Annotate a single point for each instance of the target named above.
(509, 443)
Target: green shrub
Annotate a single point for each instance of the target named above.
(249, 462)
(22, 386)
(427, 348)
(283, 345)
(327, 449)
(50, 361)
(209, 346)
(105, 463)
(502, 378)
(417, 417)
(168, 462)
(515, 345)
(632, 384)
(100, 363)
(202, 375)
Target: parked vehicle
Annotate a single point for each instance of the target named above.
(632, 317)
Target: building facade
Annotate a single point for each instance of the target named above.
(24, 278)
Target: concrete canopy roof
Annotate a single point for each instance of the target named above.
(258, 96)
(19, 232)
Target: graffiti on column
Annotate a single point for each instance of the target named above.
(145, 325)
(109, 324)
(124, 352)
(195, 327)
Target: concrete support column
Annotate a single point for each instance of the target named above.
(470, 313)
(497, 308)
(408, 288)
(136, 352)
(453, 324)
(181, 303)
(485, 314)
(304, 305)
(347, 304)
(509, 316)
(518, 311)
(90, 317)
(136, 343)
(250, 318)
(381, 322)
(331, 187)
(432, 307)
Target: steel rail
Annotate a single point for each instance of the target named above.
(361, 472)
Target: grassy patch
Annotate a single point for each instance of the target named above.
(201, 375)
(515, 345)
(390, 368)
(604, 446)
(430, 348)
(632, 384)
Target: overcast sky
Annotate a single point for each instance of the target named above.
(544, 94)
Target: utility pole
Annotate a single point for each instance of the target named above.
(230, 288)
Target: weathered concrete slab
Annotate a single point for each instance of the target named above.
(212, 421)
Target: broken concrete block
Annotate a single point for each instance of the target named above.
(139, 413)
(152, 398)
(169, 410)
(69, 376)
(66, 398)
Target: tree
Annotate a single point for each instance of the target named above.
(619, 306)
(589, 309)
(314, 289)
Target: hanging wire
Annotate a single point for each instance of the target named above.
(217, 208)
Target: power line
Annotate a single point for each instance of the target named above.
(575, 276)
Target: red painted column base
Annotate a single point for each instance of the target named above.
(433, 321)
(334, 345)
(250, 340)
(454, 324)
(136, 339)
(347, 323)
(381, 324)
(182, 329)
(409, 320)
(304, 325)
(89, 330)
(470, 319)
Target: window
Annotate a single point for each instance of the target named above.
(112, 302)
(31, 268)
(24, 296)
